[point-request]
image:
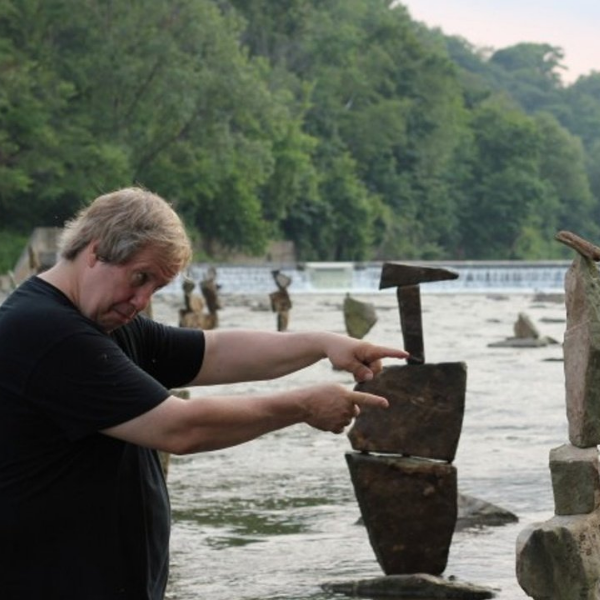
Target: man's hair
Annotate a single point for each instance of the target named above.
(123, 223)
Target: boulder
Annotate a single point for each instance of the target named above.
(560, 558)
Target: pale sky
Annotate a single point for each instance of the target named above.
(573, 25)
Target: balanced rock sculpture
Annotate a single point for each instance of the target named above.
(401, 468)
(281, 302)
(560, 558)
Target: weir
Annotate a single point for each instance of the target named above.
(340, 277)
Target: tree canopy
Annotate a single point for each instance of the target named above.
(343, 126)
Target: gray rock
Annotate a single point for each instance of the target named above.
(474, 512)
(582, 382)
(582, 292)
(575, 479)
(560, 558)
(359, 317)
(524, 327)
(515, 342)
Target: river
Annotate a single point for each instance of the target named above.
(277, 517)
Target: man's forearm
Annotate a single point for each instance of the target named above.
(234, 356)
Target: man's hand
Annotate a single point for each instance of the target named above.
(331, 407)
(360, 358)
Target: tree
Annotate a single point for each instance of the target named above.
(504, 187)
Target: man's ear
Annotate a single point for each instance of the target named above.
(92, 256)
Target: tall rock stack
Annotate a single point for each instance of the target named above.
(560, 558)
(401, 467)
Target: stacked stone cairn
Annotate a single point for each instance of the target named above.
(281, 303)
(401, 467)
(560, 558)
(193, 315)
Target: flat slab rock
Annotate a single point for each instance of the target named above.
(414, 586)
(517, 342)
(425, 416)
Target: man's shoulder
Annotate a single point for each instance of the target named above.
(37, 309)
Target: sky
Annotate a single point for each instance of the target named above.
(573, 25)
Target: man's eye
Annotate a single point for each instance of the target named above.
(139, 278)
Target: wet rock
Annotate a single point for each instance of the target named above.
(409, 509)
(418, 585)
(474, 512)
(425, 415)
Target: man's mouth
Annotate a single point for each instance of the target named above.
(126, 314)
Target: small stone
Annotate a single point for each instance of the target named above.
(359, 317)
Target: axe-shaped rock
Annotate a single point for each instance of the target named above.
(407, 278)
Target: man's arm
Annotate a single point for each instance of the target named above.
(241, 355)
(200, 424)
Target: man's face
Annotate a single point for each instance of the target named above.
(112, 295)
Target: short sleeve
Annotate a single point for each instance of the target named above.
(88, 383)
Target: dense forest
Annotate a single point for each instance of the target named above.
(344, 126)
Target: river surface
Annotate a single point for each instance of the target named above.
(277, 517)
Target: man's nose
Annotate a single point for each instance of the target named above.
(141, 298)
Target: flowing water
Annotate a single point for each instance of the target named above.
(276, 518)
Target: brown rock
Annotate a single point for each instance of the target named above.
(425, 415)
(409, 508)
(411, 322)
(395, 274)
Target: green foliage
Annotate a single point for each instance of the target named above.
(12, 245)
(343, 126)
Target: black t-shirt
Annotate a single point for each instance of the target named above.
(83, 516)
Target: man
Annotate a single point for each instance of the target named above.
(84, 404)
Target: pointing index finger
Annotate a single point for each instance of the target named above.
(378, 352)
(366, 399)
